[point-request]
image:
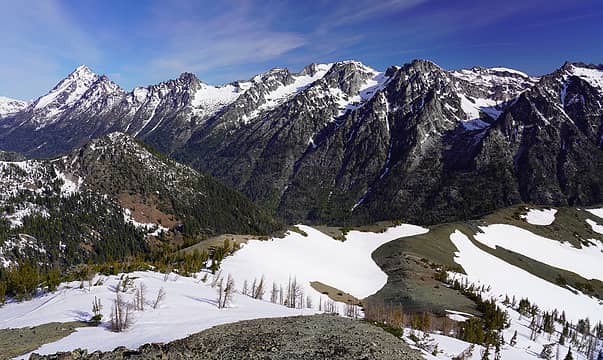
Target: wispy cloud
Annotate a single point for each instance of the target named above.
(144, 42)
(38, 36)
(232, 36)
(347, 12)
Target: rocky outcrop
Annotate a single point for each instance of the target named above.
(294, 338)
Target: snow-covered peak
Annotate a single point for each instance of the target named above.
(67, 92)
(83, 71)
(354, 65)
(313, 68)
(591, 74)
(300, 82)
(209, 99)
(496, 76)
(507, 70)
(11, 106)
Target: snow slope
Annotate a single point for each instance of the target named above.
(595, 226)
(525, 349)
(540, 217)
(346, 265)
(504, 278)
(11, 106)
(209, 99)
(597, 212)
(375, 82)
(284, 92)
(67, 91)
(593, 76)
(189, 307)
(585, 261)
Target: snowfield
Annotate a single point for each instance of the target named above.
(540, 217)
(346, 265)
(593, 76)
(506, 279)
(585, 261)
(190, 304)
(189, 307)
(11, 106)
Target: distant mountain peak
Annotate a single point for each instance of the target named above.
(592, 74)
(10, 106)
(188, 77)
(66, 92)
(82, 70)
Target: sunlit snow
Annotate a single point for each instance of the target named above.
(507, 279)
(585, 261)
(346, 265)
(189, 307)
(540, 217)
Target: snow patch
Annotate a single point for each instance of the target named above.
(458, 315)
(512, 71)
(150, 228)
(593, 76)
(595, 226)
(585, 261)
(210, 99)
(376, 82)
(597, 212)
(507, 279)
(346, 265)
(473, 107)
(27, 209)
(69, 186)
(300, 82)
(540, 217)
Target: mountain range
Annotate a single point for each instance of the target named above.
(344, 143)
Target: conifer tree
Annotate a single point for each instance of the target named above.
(569, 355)
(513, 341)
(486, 352)
(2, 292)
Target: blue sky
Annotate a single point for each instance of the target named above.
(145, 42)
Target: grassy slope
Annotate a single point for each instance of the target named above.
(411, 280)
(15, 342)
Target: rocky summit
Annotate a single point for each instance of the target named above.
(293, 338)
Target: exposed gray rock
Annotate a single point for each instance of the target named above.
(293, 338)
